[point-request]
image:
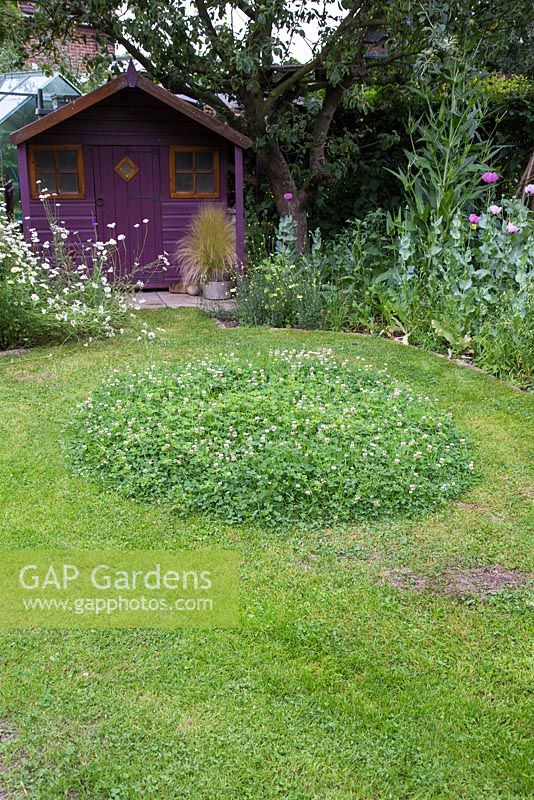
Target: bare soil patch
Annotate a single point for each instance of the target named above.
(470, 506)
(484, 581)
(227, 323)
(470, 582)
(405, 580)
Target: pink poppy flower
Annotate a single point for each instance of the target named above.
(490, 177)
(495, 209)
(529, 189)
(511, 228)
(288, 196)
(474, 219)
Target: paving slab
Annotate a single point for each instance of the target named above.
(162, 299)
(176, 300)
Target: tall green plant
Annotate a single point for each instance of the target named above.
(448, 155)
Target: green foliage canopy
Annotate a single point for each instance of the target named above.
(245, 51)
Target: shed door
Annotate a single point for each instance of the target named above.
(127, 191)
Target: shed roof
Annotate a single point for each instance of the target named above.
(130, 79)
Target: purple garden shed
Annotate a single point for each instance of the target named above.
(127, 152)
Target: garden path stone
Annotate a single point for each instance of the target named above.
(163, 299)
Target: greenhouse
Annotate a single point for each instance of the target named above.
(18, 104)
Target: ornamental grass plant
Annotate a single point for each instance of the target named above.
(208, 250)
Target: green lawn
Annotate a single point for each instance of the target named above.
(337, 685)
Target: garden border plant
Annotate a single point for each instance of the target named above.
(62, 289)
(448, 271)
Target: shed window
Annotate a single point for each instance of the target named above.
(194, 172)
(59, 168)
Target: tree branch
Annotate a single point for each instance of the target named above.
(247, 9)
(332, 99)
(211, 33)
(319, 58)
(182, 86)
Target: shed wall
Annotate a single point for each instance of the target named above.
(128, 119)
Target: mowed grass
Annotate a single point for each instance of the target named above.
(336, 685)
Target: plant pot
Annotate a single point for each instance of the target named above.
(217, 290)
(193, 289)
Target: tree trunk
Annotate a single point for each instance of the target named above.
(273, 163)
(275, 166)
(299, 213)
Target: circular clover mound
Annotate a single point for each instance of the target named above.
(285, 438)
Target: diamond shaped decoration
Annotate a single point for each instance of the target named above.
(126, 169)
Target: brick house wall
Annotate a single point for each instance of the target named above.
(72, 53)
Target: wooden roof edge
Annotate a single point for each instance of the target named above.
(69, 110)
(129, 79)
